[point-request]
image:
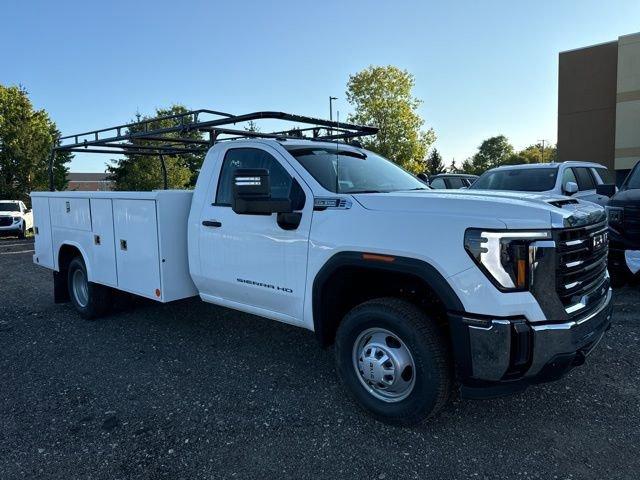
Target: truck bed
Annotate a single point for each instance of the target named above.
(132, 241)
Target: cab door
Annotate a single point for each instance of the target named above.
(250, 260)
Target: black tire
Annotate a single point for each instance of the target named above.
(427, 345)
(22, 233)
(98, 297)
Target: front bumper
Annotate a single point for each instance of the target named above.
(504, 355)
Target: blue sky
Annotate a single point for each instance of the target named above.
(481, 68)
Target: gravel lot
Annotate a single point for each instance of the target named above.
(189, 391)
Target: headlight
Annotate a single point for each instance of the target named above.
(615, 215)
(503, 255)
(16, 219)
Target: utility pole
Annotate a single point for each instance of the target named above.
(542, 150)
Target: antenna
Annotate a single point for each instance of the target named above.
(337, 158)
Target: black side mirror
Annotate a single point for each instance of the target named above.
(606, 189)
(252, 193)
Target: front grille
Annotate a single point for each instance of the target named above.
(6, 221)
(632, 223)
(581, 272)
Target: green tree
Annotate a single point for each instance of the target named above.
(534, 154)
(144, 172)
(26, 139)
(381, 96)
(435, 165)
(492, 152)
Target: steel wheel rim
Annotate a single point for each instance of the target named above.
(80, 288)
(384, 365)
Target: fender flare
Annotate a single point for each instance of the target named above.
(405, 265)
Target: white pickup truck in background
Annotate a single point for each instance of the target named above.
(418, 289)
(15, 218)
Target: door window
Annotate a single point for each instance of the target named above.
(438, 183)
(585, 180)
(279, 180)
(456, 182)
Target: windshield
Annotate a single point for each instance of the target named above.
(633, 180)
(9, 207)
(358, 172)
(522, 179)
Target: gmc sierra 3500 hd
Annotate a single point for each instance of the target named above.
(417, 289)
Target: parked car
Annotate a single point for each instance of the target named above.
(336, 239)
(624, 230)
(581, 180)
(451, 180)
(15, 218)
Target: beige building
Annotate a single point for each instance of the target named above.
(599, 104)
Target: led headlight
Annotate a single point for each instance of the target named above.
(16, 219)
(615, 215)
(503, 255)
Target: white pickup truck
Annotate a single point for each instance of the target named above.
(418, 289)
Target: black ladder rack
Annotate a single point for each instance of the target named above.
(219, 126)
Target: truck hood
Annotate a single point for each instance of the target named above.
(514, 209)
(626, 198)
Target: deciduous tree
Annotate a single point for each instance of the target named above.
(382, 96)
(26, 138)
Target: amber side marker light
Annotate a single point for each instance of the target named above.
(378, 258)
(522, 271)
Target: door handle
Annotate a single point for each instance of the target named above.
(211, 223)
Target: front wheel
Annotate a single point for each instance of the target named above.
(22, 233)
(394, 360)
(90, 299)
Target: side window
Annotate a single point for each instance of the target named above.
(438, 183)
(585, 180)
(456, 182)
(279, 179)
(568, 176)
(603, 175)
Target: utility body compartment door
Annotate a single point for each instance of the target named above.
(102, 249)
(136, 245)
(42, 229)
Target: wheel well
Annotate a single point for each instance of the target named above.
(65, 255)
(60, 286)
(347, 286)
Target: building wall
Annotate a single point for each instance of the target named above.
(627, 139)
(587, 104)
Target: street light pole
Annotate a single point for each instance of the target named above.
(331, 99)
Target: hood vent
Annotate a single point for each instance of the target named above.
(562, 203)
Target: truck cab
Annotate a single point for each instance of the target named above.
(418, 291)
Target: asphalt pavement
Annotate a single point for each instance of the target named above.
(190, 391)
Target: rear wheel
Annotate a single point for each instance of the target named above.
(90, 299)
(394, 360)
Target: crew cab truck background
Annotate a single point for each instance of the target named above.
(419, 290)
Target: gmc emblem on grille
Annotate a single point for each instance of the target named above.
(599, 241)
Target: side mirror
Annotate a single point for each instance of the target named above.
(606, 189)
(570, 188)
(252, 193)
